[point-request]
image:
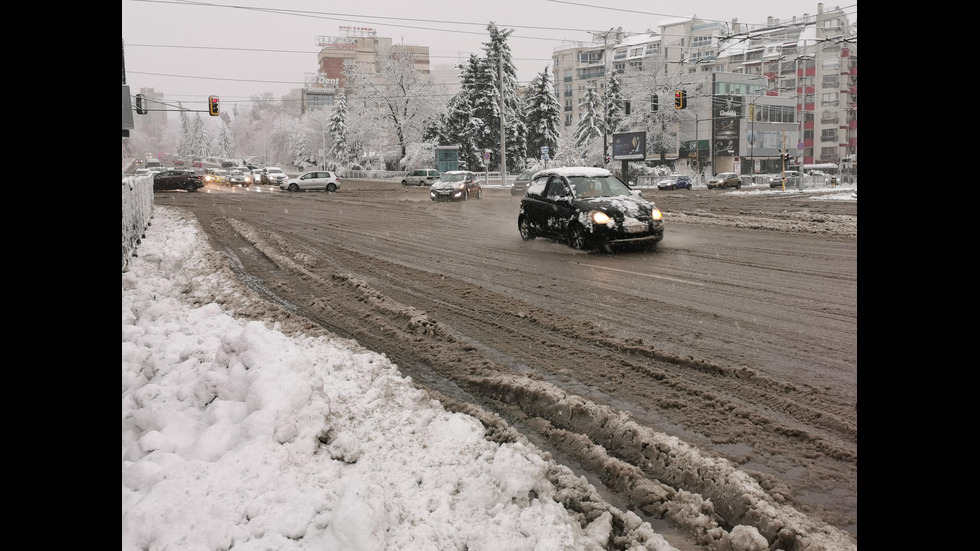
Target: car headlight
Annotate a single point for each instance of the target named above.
(599, 217)
(656, 214)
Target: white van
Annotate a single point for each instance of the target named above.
(154, 163)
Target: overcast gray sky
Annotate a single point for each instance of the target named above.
(189, 50)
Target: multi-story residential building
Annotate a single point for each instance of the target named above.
(355, 46)
(794, 80)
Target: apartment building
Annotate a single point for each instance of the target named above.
(353, 46)
(789, 86)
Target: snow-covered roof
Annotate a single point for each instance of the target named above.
(567, 171)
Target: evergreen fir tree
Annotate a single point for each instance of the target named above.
(590, 127)
(500, 64)
(542, 112)
(184, 148)
(338, 131)
(615, 106)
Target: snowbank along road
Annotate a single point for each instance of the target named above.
(709, 383)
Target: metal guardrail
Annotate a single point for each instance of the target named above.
(137, 210)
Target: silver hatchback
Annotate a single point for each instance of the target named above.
(315, 179)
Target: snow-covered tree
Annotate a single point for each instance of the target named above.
(401, 96)
(503, 75)
(542, 113)
(615, 105)
(568, 153)
(651, 93)
(458, 125)
(337, 126)
(225, 146)
(201, 139)
(184, 148)
(591, 125)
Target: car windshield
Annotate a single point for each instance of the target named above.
(603, 186)
(453, 177)
(274, 171)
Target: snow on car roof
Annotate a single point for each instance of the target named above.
(567, 171)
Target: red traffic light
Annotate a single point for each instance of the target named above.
(213, 109)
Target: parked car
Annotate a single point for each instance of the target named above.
(456, 185)
(725, 180)
(521, 183)
(273, 175)
(588, 208)
(216, 176)
(197, 163)
(315, 179)
(178, 178)
(239, 178)
(178, 162)
(675, 181)
(790, 177)
(420, 177)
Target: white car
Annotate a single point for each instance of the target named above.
(275, 175)
(314, 179)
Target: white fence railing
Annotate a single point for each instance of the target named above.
(137, 209)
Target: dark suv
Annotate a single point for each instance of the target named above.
(420, 177)
(187, 180)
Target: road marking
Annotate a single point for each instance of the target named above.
(641, 274)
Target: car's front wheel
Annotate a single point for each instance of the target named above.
(577, 238)
(525, 228)
(404, 182)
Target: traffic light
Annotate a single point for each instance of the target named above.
(680, 99)
(607, 159)
(213, 106)
(140, 104)
(655, 103)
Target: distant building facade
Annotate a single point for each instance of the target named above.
(358, 47)
(796, 79)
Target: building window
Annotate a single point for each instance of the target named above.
(828, 154)
(829, 98)
(653, 49)
(830, 64)
(831, 81)
(828, 135)
(568, 105)
(829, 117)
(568, 120)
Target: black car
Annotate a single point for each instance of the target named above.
(588, 208)
(187, 180)
(456, 185)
